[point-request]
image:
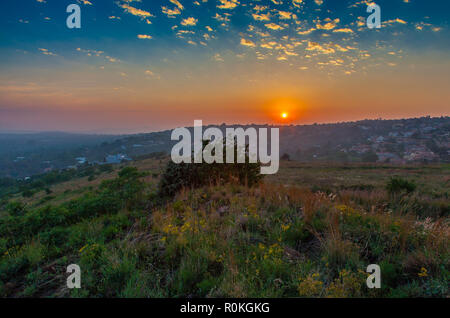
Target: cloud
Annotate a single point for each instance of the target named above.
(189, 21)
(397, 20)
(98, 54)
(343, 30)
(274, 26)
(85, 2)
(90, 52)
(221, 18)
(144, 37)
(228, 4)
(325, 49)
(135, 11)
(246, 42)
(285, 14)
(306, 31)
(217, 58)
(152, 74)
(327, 26)
(297, 3)
(46, 52)
(178, 4)
(170, 12)
(261, 17)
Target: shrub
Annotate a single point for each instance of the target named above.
(127, 187)
(397, 185)
(195, 175)
(28, 193)
(15, 208)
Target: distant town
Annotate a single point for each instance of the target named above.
(404, 141)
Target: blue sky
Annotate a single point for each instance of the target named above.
(225, 60)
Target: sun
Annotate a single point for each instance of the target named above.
(284, 115)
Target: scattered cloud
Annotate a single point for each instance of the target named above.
(228, 4)
(134, 11)
(46, 52)
(246, 42)
(189, 21)
(274, 26)
(144, 37)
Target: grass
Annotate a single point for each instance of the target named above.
(309, 231)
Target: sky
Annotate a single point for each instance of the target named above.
(139, 66)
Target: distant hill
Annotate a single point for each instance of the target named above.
(423, 139)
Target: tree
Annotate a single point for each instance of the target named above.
(194, 175)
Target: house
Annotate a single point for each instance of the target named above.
(387, 156)
(117, 158)
(379, 139)
(81, 160)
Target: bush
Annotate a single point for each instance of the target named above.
(28, 193)
(15, 208)
(127, 187)
(397, 185)
(195, 175)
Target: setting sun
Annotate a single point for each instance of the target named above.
(284, 115)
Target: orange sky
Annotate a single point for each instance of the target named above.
(126, 73)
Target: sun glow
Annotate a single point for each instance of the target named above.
(284, 115)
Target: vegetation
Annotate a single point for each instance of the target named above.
(309, 231)
(193, 175)
(397, 185)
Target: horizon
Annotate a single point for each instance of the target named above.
(216, 125)
(137, 66)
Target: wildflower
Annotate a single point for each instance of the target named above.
(82, 249)
(423, 272)
(310, 286)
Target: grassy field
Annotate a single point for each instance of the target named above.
(309, 231)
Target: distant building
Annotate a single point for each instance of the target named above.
(118, 158)
(379, 139)
(81, 160)
(387, 156)
(361, 148)
(421, 155)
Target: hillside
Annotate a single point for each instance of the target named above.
(309, 231)
(396, 141)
